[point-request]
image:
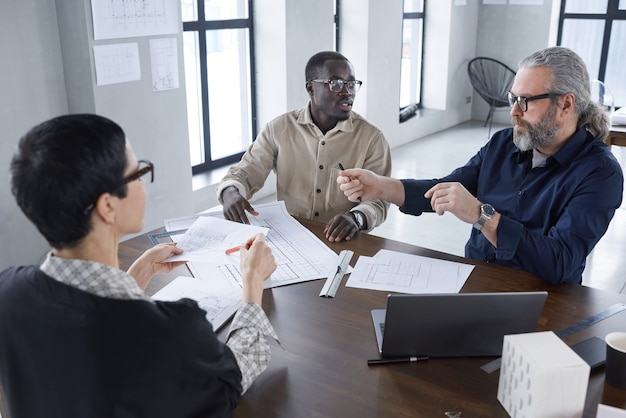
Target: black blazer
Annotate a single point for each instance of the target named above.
(67, 353)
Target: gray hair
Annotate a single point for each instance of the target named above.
(569, 75)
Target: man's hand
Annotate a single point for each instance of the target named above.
(152, 262)
(356, 182)
(257, 264)
(341, 227)
(235, 206)
(359, 185)
(456, 199)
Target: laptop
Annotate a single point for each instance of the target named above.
(454, 324)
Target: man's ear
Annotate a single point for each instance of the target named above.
(569, 104)
(105, 207)
(309, 88)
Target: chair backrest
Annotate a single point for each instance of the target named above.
(601, 94)
(491, 79)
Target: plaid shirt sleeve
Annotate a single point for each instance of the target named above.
(246, 339)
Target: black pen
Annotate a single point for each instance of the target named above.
(341, 168)
(389, 360)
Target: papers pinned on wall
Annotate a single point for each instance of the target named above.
(164, 63)
(116, 63)
(131, 18)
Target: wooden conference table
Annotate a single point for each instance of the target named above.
(321, 371)
(617, 136)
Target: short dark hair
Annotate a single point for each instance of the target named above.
(63, 166)
(316, 63)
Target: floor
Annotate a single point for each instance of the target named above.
(437, 155)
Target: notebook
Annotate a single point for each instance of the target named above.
(454, 324)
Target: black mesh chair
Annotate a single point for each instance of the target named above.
(492, 80)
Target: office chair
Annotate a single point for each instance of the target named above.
(492, 80)
(601, 94)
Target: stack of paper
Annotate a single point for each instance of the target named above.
(408, 273)
(300, 256)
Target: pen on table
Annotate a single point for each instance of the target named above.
(390, 360)
(341, 168)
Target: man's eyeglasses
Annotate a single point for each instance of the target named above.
(336, 84)
(522, 102)
(148, 167)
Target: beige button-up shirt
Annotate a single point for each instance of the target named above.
(306, 164)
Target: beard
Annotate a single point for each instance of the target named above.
(537, 135)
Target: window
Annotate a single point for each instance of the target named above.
(596, 30)
(411, 64)
(337, 9)
(219, 73)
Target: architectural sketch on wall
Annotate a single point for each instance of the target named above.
(164, 62)
(131, 18)
(116, 63)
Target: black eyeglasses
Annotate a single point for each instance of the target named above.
(522, 102)
(148, 167)
(336, 84)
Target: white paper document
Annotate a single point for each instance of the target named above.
(606, 411)
(130, 18)
(393, 271)
(164, 64)
(208, 238)
(116, 63)
(219, 298)
(300, 255)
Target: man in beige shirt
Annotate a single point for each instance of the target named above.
(306, 148)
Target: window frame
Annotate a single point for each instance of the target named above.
(337, 22)
(612, 14)
(200, 27)
(410, 109)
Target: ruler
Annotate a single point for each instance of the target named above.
(156, 238)
(494, 365)
(329, 290)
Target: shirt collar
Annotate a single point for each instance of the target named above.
(571, 148)
(93, 277)
(305, 118)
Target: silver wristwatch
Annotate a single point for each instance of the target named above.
(359, 218)
(486, 212)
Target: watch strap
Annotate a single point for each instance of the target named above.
(486, 212)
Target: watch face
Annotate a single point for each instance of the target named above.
(359, 218)
(488, 210)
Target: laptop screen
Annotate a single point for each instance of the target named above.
(454, 324)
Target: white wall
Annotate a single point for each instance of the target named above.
(374, 48)
(33, 89)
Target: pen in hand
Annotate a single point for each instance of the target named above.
(233, 249)
(341, 168)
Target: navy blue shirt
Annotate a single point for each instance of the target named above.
(551, 216)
